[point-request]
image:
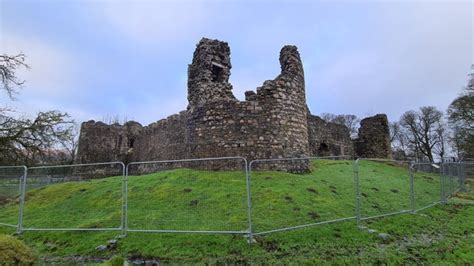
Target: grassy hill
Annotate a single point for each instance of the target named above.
(185, 199)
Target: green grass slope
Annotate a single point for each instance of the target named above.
(185, 199)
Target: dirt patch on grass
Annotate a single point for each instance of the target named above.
(194, 203)
(312, 190)
(187, 190)
(5, 200)
(314, 215)
(268, 245)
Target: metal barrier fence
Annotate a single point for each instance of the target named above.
(250, 201)
(427, 185)
(192, 207)
(105, 213)
(458, 179)
(380, 179)
(277, 210)
(11, 190)
(452, 179)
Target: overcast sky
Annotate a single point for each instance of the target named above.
(96, 59)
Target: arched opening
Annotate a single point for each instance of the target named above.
(323, 149)
(131, 142)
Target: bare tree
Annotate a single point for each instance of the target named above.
(422, 130)
(8, 67)
(25, 140)
(70, 145)
(328, 117)
(29, 140)
(461, 120)
(399, 141)
(350, 121)
(442, 134)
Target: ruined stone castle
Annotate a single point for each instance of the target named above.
(272, 122)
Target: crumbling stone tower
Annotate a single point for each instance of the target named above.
(208, 75)
(270, 123)
(374, 138)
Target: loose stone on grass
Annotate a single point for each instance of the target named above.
(385, 237)
(101, 248)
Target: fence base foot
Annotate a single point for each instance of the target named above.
(367, 229)
(250, 239)
(362, 227)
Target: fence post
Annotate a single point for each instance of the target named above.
(19, 229)
(443, 183)
(461, 176)
(451, 181)
(412, 189)
(124, 200)
(248, 171)
(357, 192)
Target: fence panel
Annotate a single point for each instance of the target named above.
(427, 185)
(383, 188)
(452, 179)
(465, 176)
(207, 195)
(11, 180)
(85, 197)
(283, 201)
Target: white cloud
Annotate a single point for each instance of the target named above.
(416, 55)
(51, 76)
(155, 22)
(52, 68)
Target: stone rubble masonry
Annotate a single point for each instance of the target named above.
(374, 138)
(272, 122)
(328, 139)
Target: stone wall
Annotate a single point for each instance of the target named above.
(99, 142)
(272, 122)
(163, 140)
(269, 124)
(328, 139)
(374, 138)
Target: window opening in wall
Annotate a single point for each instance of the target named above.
(131, 142)
(217, 72)
(323, 147)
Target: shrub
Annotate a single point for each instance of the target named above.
(14, 252)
